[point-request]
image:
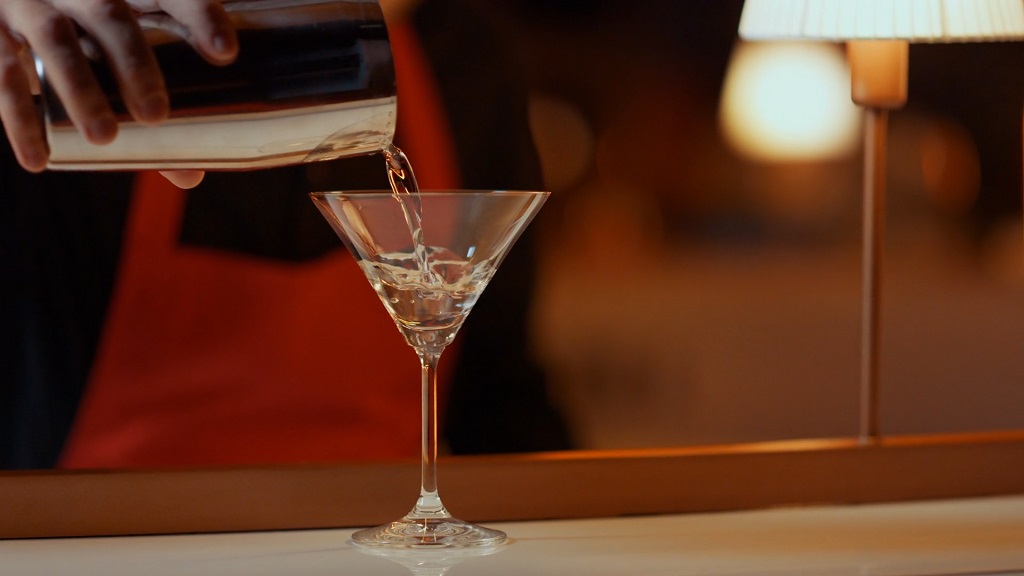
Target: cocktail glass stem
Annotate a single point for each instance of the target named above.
(429, 505)
(429, 524)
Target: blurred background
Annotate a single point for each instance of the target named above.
(699, 277)
(701, 253)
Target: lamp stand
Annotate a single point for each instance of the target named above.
(878, 70)
(873, 248)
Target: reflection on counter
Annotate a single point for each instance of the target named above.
(429, 562)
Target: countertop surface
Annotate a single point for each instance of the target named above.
(961, 537)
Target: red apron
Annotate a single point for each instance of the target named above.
(214, 358)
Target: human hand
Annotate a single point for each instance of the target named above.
(50, 29)
(184, 179)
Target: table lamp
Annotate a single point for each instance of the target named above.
(877, 34)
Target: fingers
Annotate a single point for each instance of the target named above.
(17, 110)
(212, 32)
(112, 25)
(204, 22)
(51, 28)
(184, 179)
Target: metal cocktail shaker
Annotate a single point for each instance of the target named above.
(314, 80)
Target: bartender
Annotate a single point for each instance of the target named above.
(187, 320)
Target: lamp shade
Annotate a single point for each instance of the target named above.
(911, 20)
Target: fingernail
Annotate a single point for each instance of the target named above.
(33, 160)
(224, 45)
(154, 107)
(102, 130)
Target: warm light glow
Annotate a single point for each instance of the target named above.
(950, 167)
(789, 102)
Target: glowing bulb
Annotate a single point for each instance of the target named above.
(789, 102)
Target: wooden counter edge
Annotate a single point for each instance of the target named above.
(493, 488)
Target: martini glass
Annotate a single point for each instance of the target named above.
(429, 256)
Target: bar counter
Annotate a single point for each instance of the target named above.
(969, 536)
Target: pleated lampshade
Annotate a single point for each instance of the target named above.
(911, 20)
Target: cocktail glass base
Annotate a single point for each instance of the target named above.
(429, 533)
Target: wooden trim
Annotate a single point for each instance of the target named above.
(514, 487)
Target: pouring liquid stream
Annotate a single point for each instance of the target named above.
(406, 193)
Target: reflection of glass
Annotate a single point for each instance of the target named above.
(429, 287)
(430, 562)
